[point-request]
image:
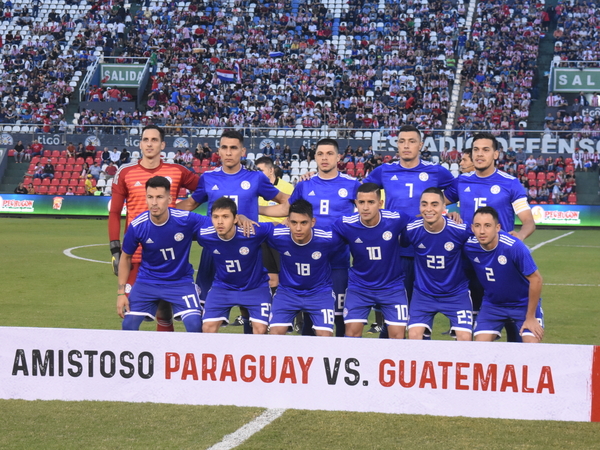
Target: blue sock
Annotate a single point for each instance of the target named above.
(132, 322)
(192, 322)
(384, 332)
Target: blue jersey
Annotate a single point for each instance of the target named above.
(500, 190)
(439, 270)
(305, 268)
(238, 261)
(375, 250)
(403, 187)
(244, 187)
(503, 270)
(330, 199)
(165, 247)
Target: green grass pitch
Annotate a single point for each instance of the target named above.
(41, 287)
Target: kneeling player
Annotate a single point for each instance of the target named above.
(374, 280)
(240, 278)
(440, 282)
(165, 273)
(511, 282)
(305, 279)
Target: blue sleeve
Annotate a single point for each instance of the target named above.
(517, 191)
(130, 241)
(374, 177)
(200, 195)
(445, 178)
(337, 229)
(264, 231)
(451, 192)
(355, 187)
(265, 189)
(296, 193)
(523, 259)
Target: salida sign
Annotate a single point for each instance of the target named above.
(413, 377)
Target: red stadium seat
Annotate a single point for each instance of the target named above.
(89, 160)
(350, 165)
(351, 172)
(79, 160)
(531, 176)
(387, 158)
(55, 181)
(46, 182)
(71, 160)
(570, 169)
(47, 153)
(42, 190)
(541, 175)
(360, 165)
(55, 153)
(62, 190)
(205, 162)
(62, 160)
(37, 181)
(11, 152)
(182, 192)
(68, 167)
(568, 161)
(79, 190)
(360, 172)
(533, 202)
(78, 168)
(572, 198)
(74, 182)
(196, 163)
(550, 176)
(53, 190)
(27, 180)
(59, 168)
(520, 167)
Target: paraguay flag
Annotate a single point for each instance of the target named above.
(226, 75)
(276, 54)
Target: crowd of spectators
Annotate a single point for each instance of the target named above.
(301, 65)
(500, 68)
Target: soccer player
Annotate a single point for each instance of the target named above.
(466, 161)
(375, 278)
(305, 283)
(332, 196)
(129, 187)
(165, 235)
(242, 186)
(404, 182)
(270, 255)
(440, 282)
(487, 186)
(511, 280)
(240, 278)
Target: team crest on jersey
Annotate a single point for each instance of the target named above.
(387, 235)
(127, 288)
(316, 255)
(345, 312)
(495, 189)
(449, 246)
(181, 143)
(423, 176)
(343, 193)
(244, 250)
(179, 237)
(170, 179)
(245, 185)
(502, 259)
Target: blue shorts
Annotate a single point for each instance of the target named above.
(391, 302)
(339, 277)
(144, 298)
(319, 306)
(492, 318)
(219, 302)
(206, 273)
(458, 308)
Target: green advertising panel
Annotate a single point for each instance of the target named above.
(61, 205)
(121, 75)
(575, 80)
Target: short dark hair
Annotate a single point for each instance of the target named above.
(486, 135)
(302, 206)
(264, 160)
(369, 187)
(154, 127)
(409, 128)
(329, 141)
(233, 134)
(224, 203)
(158, 181)
(468, 151)
(434, 190)
(488, 210)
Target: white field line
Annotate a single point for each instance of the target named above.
(541, 244)
(237, 437)
(572, 284)
(69, 253)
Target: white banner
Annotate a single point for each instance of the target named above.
(499, 380)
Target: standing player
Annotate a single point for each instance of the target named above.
(375, 278)
(404, 182)
(129, 186)
(332, 196)
(487, 186)
(165, 235)
(270, 255)
(466, 161)
(242, 186)
(240, 278)
(511, 281)
(440, 282)
(306, 284)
